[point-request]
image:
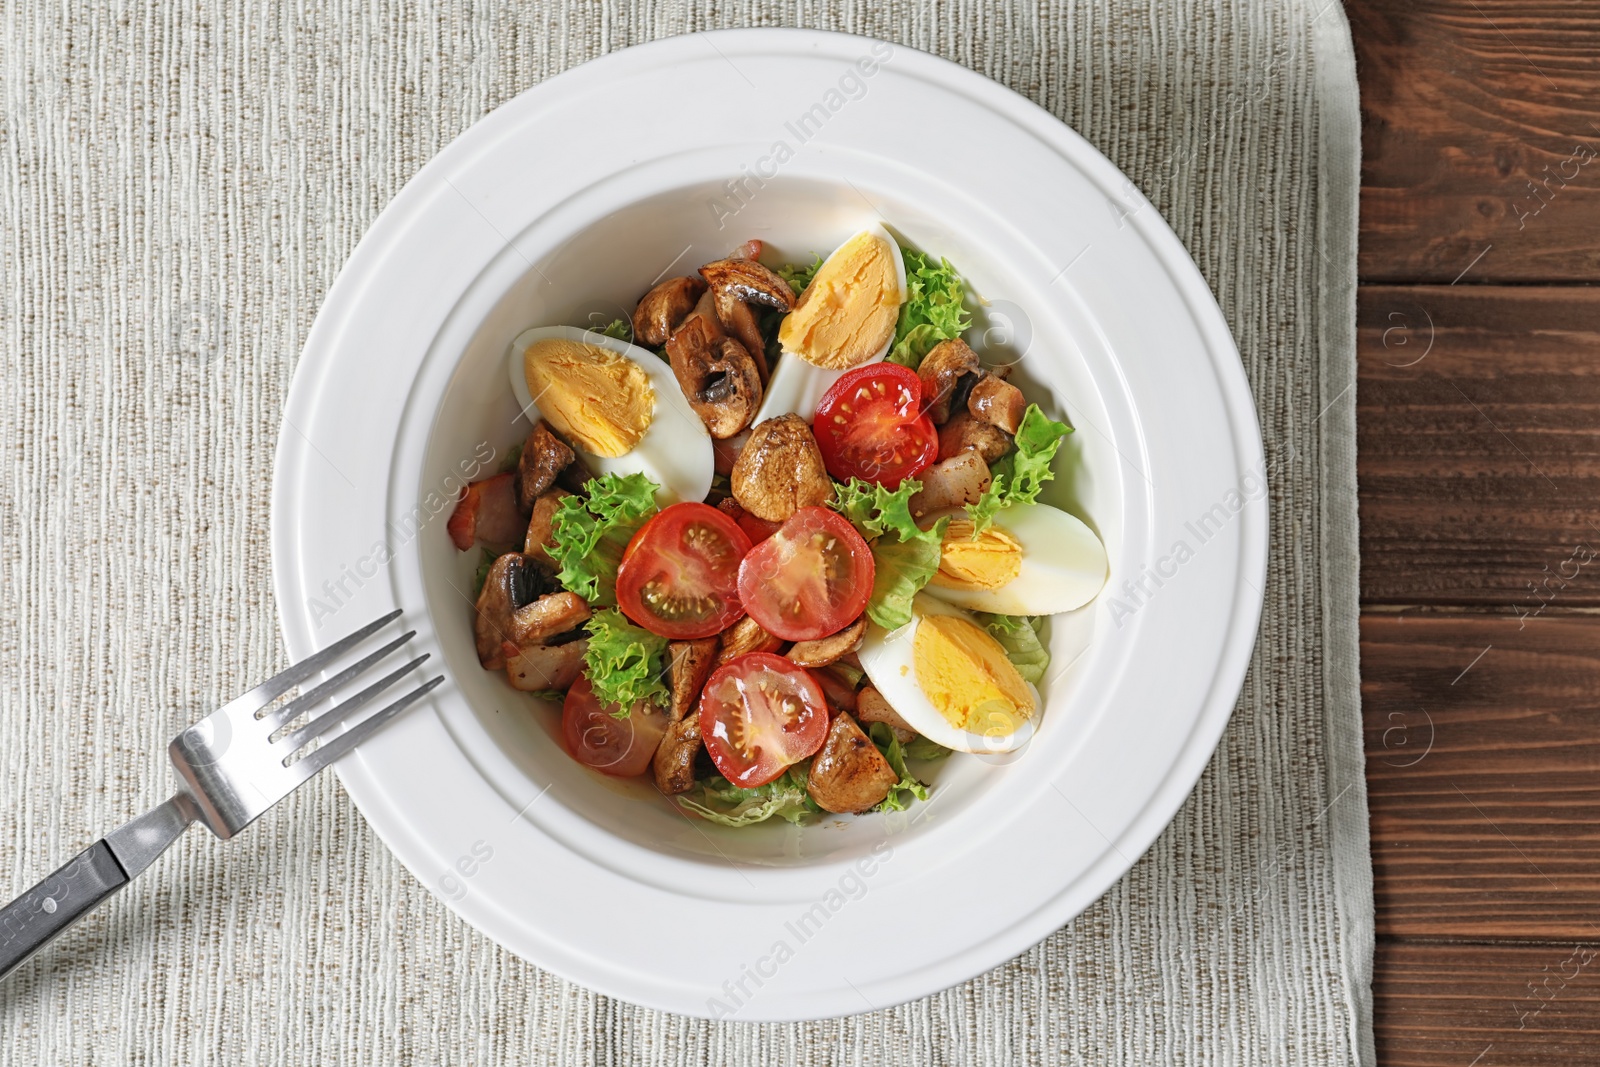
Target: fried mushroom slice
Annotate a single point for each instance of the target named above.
(512, 583)
(872, 707)
(849, 774)
(942, 372)
(967, 433)
(663, 309)
(673, 763)
(997, 402)
(541, 527)
(717, 375)
(738, 282)
(961, 479)
(780, 470)
(544, 455)
(690, 664)
(542, 668)
(551, 614)
(830, 649)
(743, 637)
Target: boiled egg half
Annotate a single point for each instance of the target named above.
(845, 319)
(617, 404)
(950, 680)
(1033, 559)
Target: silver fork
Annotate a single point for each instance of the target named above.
(232, 765)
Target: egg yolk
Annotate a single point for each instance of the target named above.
(601, 401)
(988, 561)
(848, 312)
(967, 677)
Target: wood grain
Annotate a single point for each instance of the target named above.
(1483, 773)
(1487, 1005)
(1480, 134)
(1478, 423)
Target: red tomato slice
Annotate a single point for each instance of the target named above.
(760, 713)
(809, 579)
(621, 748)
(680, 573)
(871, 425)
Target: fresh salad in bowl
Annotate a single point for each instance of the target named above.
(777, 536)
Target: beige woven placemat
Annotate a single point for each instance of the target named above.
(179, 184)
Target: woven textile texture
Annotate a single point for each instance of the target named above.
(180, 183)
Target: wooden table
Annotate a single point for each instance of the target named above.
(1479, 436)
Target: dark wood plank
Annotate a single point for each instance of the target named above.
(1481, 127)
(1483, 774)
(1487, 1005)
(1478, 423)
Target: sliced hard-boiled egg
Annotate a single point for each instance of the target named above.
(1032, 560)
(844, 319)
(950, 680)
(617, 404)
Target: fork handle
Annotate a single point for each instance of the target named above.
(38, 916)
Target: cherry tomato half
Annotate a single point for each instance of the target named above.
(871, 425)
(809, 578)
(595, 738)
(760, 713)
(679, 576)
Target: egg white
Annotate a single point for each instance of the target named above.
(1063, 565)
(888, 659)
(797, 385)
(675, 451)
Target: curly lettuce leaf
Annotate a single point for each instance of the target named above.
(1019, 636)
(921, 748)
(626, 663)
(904, 555)
(799, 276)
(889, 745)
(621, 329)
(590, 531)
(1020, 474)
(933, 310)
(719, 800)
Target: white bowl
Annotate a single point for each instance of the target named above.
(562, 207)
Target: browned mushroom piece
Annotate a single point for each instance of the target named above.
(943, 371)
(997, 402)
(872, 707)
(830, 649)
(743, 637)
(849, 774)
(967, 433)
(717, 376)
(544, 455)
(513, 582)
(540, 668)
(780, 470)
(690, 663)
(961, 479)
(673, 763)
(664, 308)
(544, 618)
(737, 283)
(540, 536)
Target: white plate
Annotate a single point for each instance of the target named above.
(562, 207)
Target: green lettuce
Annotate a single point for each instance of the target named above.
(920, 747)
(513, 457)
(933, 310)
(798, 276)
(904, 556)
(621, 329)
(482, 574)
(1019, 636)
(626, 663)
(590, 531)
(1020, 474)
(889, 745)
(719, 800)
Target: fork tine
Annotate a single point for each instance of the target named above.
(292, 710)
(281, 683)
(336, 715)
(348, 740)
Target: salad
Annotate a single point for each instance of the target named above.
(778, 538)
